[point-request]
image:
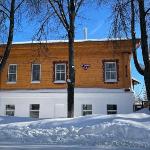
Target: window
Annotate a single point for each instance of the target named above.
(12, 73)
(110, 72)
(86, 109)
(111, 109)
(10, 110)
(60, 72)
(36, 72)
(34, 110)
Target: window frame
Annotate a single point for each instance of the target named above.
(12, 82)
(35, 81)
(116, 72)
(90, 110)
(9, 110)
(111, 111)
(60, 81)
(35, 110)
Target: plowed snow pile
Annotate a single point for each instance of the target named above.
(131, 130)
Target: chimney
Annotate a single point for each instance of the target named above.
(85, 33)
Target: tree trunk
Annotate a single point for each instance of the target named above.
(10, 36)
(147, 83)
(144, 46)
(71, 82)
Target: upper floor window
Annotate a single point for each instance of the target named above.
(110, 71)
(60, 72)
(36, 72)
(12, 73)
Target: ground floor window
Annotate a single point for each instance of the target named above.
(34, 110)
(111, 109)
(86, 109)
(10, 110)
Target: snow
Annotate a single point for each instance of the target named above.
(144, 110)
(65, 41)
(130, 131)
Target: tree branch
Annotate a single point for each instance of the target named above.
(78, 6)
(146, 12)
(10, 37)
(137, 65)
(58, 15)
(4, 13)
(19, 5)
(5, 8)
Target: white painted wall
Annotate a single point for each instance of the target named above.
(99, 102)
(53, 103)
(22, 103)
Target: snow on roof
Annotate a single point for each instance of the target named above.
(65, 41)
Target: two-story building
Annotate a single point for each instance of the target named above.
(33, 82)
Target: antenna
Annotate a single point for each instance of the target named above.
(85, 33)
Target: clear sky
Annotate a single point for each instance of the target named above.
(98, 24)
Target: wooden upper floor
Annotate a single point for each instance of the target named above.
(98, 64)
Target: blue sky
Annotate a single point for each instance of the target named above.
(98, 25)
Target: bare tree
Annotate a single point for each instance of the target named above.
(65, 12)
(127, 15)
(8, 9)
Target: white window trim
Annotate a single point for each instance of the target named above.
(60, 81)
(11, 82)
(9, 110)
(111, 80)
(38, 81)
(86, 110)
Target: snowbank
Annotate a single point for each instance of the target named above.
(131, 131)
(144, 110)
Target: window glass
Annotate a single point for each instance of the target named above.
(60, 72)
(36, 72)
(111, 109)
(10, 110)
(34, 110)
(12, 73)
(110, 72)
(86, 109)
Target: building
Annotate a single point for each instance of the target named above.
(33, 82)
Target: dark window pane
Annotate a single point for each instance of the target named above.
(111, 107)
(34, 114)
(12, 78)
(58, 76)
(34, 107)
(60, 73)
(10, 113)
(36, 73)
(12, 69)
(87, 113)
(10, 107)
(113, 75)
(62, 76)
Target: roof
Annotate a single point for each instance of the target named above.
(65, 41)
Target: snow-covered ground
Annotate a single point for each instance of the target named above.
(115, 132)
